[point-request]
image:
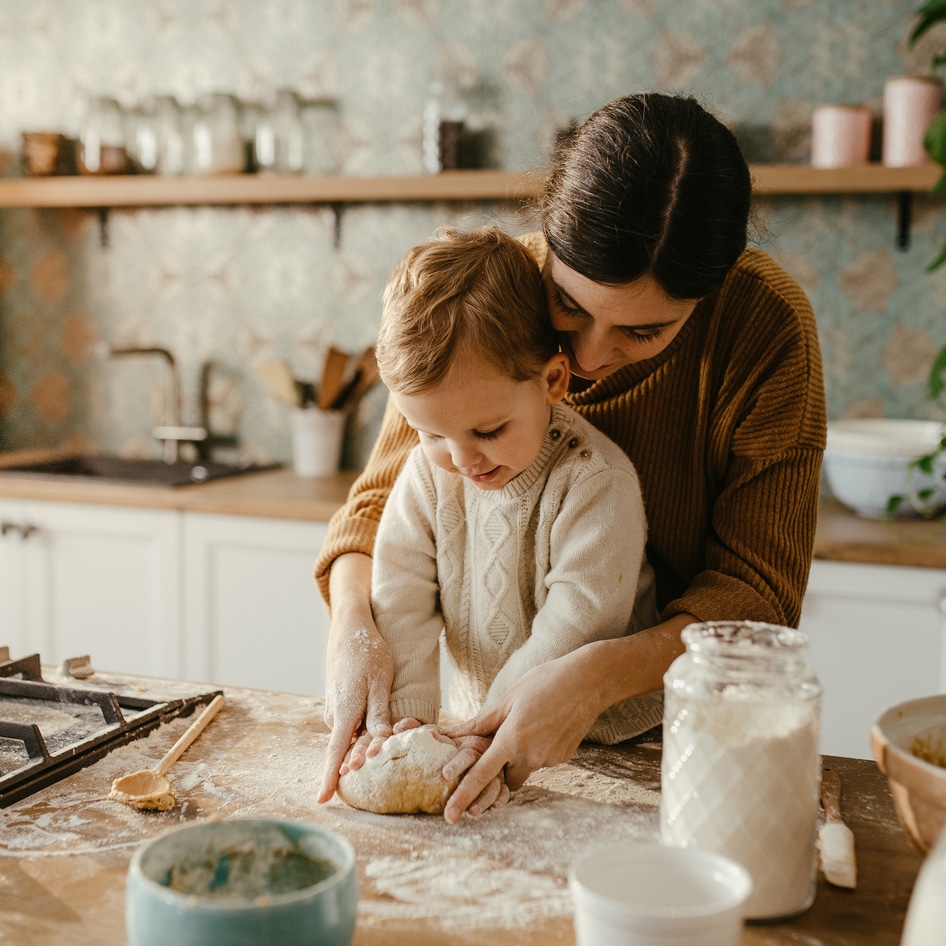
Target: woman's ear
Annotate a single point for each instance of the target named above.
(555, 374)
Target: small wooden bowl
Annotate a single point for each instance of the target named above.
(48, 153)
(901, 738)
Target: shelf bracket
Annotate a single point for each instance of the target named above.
(104, 235)
(338, 210)
(904, 219)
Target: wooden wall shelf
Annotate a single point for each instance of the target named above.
(147, 191)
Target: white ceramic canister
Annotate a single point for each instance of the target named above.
(910, 102)
(741, 767)
(840, 136)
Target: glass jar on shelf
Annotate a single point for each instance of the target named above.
(102, 147)
(444, 122)
(278, 141)
(217, 141)
(169, 136)
(741, 768)
(319, 120)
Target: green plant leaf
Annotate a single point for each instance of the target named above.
(938, 261)
(936, 382)
(929, 14)
(893, 504)
(934, 140)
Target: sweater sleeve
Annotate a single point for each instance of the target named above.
(597, 572)
(405, 593)
(765, 457)
(354, 526)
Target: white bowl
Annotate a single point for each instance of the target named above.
(658, 895)
(866, 462)
(918, 786)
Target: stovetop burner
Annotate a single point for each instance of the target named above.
(48, 730)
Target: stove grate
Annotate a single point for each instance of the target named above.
(104, 720)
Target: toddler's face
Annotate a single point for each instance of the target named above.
(481, 424)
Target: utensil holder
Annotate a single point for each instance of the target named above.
(317, 437)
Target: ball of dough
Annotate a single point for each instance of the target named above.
(404, 778)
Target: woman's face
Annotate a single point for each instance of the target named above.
(603, 328)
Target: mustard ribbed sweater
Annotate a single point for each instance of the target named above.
(726, 428)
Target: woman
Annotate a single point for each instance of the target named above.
(699, 357)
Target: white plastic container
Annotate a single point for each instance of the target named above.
(651, 895)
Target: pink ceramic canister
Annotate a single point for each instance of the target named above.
(840, 136)
(910, 102)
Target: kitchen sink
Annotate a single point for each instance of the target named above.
(146, 472)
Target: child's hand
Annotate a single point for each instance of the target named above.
(366, 745)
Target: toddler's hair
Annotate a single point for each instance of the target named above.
(470, 295)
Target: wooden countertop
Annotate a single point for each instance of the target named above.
(841, 536)
(279, 494)
(845, 537)
(498, 879)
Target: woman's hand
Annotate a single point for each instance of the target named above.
(543, 717)
(360, 670)
(540, 720)
(496, 793)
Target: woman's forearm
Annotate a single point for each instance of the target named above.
(629, 666)
(350, 589)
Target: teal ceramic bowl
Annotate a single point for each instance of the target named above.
(243, 882)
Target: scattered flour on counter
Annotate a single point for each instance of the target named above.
(463, 892)
(507, 869)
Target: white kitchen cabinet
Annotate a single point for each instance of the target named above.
(77, 579)
(253, 616)
(878, 637)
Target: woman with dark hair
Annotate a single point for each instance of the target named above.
(699, 357)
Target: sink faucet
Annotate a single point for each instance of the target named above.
(171, 433)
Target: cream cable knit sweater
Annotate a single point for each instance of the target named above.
(515, 577)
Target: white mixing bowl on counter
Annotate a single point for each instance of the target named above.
(867, 460)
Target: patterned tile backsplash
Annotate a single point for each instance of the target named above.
(237, 286)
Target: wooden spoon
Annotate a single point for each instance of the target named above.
(333, 377)
(366, 374)
(149, 789)
(277, 376)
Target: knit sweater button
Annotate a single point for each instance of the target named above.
(555, 434)
(573, 443)
(585, 454)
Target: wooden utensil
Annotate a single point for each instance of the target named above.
(835, 838)
(333, 377)
(277, 376)
(150, 789)
(366, 374)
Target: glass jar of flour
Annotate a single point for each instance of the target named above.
(741, 767)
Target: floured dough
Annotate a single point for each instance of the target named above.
(404, 777)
